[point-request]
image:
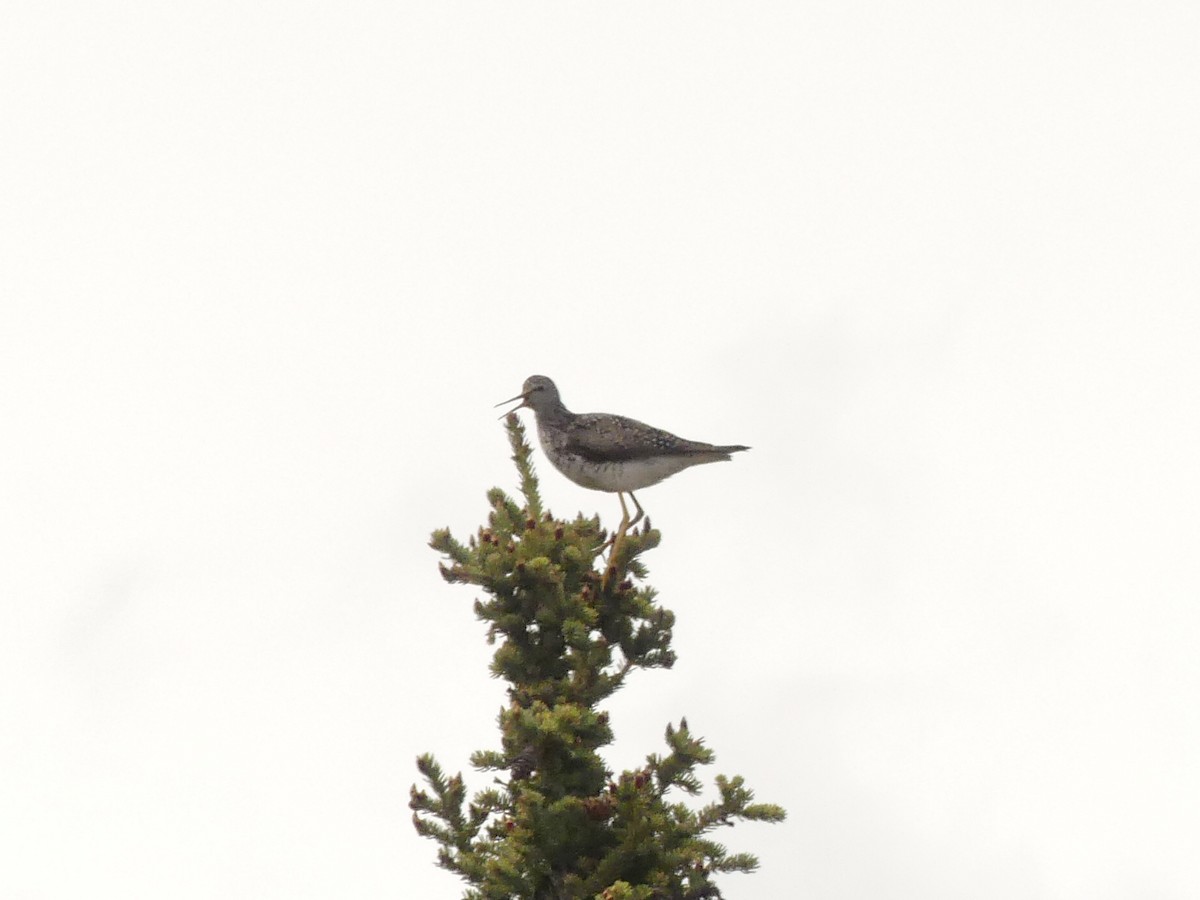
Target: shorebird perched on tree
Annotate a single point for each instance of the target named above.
(610, 453)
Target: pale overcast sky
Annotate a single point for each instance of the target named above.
(267, 266)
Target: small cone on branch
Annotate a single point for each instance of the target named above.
(600, 808)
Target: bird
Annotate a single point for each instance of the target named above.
(605, 452)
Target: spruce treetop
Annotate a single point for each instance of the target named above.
(569, 628)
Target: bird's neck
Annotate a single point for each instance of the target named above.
(554, 414)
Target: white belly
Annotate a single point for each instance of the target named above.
(621, 476)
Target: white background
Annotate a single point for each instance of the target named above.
(265, 268)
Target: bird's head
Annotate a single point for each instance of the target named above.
(537, 393)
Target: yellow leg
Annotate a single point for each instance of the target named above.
(625, 523)
(640, 511)
(619, 534)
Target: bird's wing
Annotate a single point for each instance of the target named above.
(605, 438)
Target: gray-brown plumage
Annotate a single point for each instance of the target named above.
(610, 453)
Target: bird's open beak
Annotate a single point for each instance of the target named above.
(522, 397)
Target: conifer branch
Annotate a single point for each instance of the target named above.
(521, 456)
